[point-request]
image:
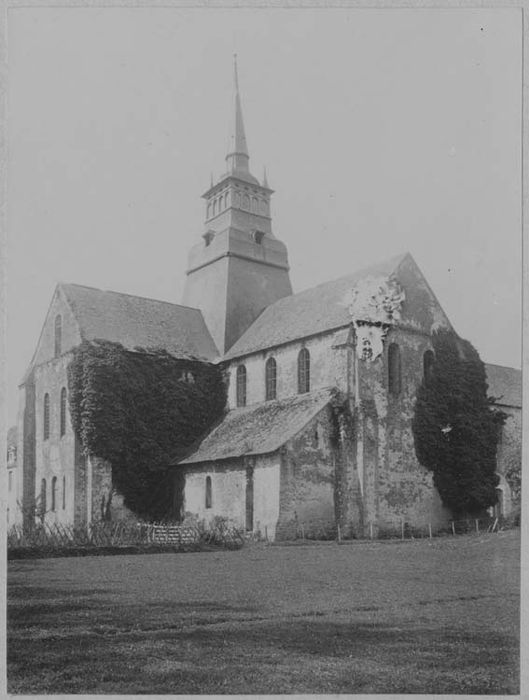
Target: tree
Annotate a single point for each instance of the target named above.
(456, 427)
(140, 411)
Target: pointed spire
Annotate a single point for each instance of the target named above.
(265, 179)
(237, 157)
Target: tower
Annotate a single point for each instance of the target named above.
(239, 267)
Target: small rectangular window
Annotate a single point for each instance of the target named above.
(208, 492)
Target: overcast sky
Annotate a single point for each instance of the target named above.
(381, 130)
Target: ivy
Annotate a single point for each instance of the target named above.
(456, 427)
(140, 411)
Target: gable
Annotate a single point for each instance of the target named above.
(134, 322)
(70, 330)
(421, 309)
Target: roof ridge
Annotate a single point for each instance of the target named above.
(293, 397)
(384, 268)
(495, 364)
(398, 259)
(127, 294)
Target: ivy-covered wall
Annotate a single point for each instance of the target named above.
(139, 411)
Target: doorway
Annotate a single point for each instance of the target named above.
(249, 499)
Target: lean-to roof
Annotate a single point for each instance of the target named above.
(259, 429)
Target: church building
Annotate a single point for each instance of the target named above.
(321, 384)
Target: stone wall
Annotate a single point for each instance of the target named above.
(55, 456)
(329, 358)
(398, 489)
(228, 491)
(26, 450)
(13, 509)
(105, 502)
(509, 459)
(307, 492)
(380, 473)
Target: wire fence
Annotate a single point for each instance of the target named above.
(55, 537)
(324, 529)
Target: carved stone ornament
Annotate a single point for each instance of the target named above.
(374, 300)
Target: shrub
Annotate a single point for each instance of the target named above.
(456, 428)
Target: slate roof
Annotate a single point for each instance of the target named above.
(505, 384)
(259, 429)
(309, 312)
(139, 322)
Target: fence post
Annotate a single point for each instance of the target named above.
(402, 529)
(453, 528)
(302, 532)
(266, 533)
(477, 526)
(371, 530)
(430, 530)
(339, 533)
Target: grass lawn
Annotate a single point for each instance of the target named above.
(411, 617)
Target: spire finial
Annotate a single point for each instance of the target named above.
(238, 150)
(265, 179)
(235, 74)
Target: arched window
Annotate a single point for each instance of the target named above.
(63, 492)
(241, 385)
(214, 207)
(42, 504)
(58, 335)
(427, 364)
(226, 200)
(271, 378)
(54, 493)
(46, 417)
(208, 211)
(63, 411)
(255, 204)
(303, 371)
(394, 369)
(208, 492)
(245, 201)
(237, 200)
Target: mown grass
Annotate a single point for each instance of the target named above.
(416, 617)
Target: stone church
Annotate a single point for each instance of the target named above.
(321, 384)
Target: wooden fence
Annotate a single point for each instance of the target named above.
(54, 536)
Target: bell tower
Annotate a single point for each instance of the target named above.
(239, 267)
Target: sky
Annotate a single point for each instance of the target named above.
(382, 131)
